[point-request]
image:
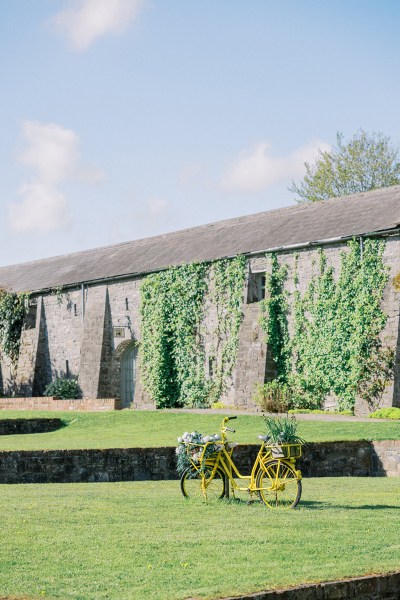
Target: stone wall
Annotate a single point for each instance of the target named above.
(79, 331)
(371, 587)
(333, 459)
(51, 403)
(254, 361)
(24, 426)
(307, 264)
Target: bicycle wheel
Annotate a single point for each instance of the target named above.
(214, 485)
(278, 485)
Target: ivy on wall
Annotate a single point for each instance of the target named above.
(228, 277)
(172, 331)
(336, 325)
(172, 353)
(12, 314)
(273, 318)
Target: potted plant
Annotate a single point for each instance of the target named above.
(282, 433)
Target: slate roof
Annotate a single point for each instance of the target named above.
(364, 213)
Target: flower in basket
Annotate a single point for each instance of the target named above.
(195, 448)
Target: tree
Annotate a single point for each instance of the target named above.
(366, 162)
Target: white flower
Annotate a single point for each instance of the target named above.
(207, 439)
(179, 440)
(193, 434)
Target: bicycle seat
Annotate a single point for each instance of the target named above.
(264, 438)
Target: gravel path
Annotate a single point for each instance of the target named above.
(301, 417)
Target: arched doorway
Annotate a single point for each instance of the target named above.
(128, 374)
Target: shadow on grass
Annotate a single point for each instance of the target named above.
(317, 505)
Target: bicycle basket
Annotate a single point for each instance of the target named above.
(199, 452)
(286, 450)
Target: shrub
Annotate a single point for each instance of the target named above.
(386, 413)
(273, 397)
(218, 406)
(378, 374)
(63, 388)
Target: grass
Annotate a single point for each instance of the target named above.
(124, 429)
(132, 540)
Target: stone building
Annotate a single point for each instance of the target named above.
(83, 315)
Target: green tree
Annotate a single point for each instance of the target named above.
(366, 162)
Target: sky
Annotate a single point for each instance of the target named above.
(123, 119)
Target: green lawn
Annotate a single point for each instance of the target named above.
(128, 428)
(132, 540)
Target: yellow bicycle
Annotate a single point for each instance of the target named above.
(213, 474)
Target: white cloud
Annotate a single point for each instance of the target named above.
(53, 153)
(41, 210)
(257, 169)
(51, 150)
(84, 21)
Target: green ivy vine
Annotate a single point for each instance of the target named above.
(173, 333)
(172, 353)
(228, 277)
(336, 325)
(13, 309)
(273, 318)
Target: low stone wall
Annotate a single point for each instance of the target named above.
(372, 587)
(53, 403)
(117, 464)
(338, 459)
(333, 459)
(22, 426)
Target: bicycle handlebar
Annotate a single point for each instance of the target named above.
(230, 429)
(231, 418)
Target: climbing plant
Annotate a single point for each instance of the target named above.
(337, 323)
(172, 353)
(274, 311)
(228, 277)
(173, 331)
(12, 314)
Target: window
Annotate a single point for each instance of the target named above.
(256, 289)
(30, 322)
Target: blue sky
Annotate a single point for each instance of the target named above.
(123, 119)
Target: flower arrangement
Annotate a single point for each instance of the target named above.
(191, 449)
(282, 430)
(283, 439)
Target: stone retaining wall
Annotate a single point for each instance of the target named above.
(372, 587)
(333, 459)
(15, 426)
(53, 403)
